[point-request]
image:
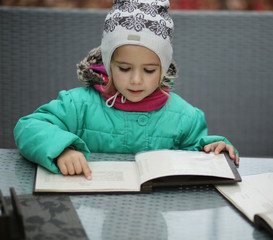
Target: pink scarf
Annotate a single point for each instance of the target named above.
(154, 101)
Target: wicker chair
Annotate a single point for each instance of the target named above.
(225, 61)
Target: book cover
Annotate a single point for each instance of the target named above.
(253, 197)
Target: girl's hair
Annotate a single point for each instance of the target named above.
(165, 81)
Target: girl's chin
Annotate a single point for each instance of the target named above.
(134, 98)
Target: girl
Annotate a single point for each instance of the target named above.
(127, 106)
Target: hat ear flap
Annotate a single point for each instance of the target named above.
(87, 75)
(172, 71)
(170, 75)
(94, 56)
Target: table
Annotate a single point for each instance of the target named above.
(190, 212)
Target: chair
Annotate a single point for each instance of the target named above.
(224, 59)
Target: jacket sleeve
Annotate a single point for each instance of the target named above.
(42, 136)
(197, 136)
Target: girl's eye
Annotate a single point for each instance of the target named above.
(149, 71)
(124, 69)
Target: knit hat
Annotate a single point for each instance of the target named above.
(138, 22)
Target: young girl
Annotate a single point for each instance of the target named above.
(127, 106)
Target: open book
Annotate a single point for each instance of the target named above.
(253, 197)
(150, 169)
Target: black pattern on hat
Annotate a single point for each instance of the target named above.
(136, 17)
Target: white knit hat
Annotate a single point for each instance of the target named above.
(138, 22)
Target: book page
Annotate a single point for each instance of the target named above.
(268, 217)
(106, 177)
(252, 196)
(160, 163)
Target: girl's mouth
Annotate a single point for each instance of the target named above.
(135, 91)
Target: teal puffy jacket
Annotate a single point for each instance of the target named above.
(80, 117)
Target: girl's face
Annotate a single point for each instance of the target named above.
(136, 71)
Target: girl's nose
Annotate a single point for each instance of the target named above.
(136, 77)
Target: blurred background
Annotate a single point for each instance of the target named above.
(235, 5)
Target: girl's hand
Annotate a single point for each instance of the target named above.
(218, 147)
(71, 162)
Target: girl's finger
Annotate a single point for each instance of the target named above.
(220, 147)
(63, 168)
(77, 166)
(237, 160)
(231, 151)
(86, 170)
(70, 168)
(207, 148)
(233, 155)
